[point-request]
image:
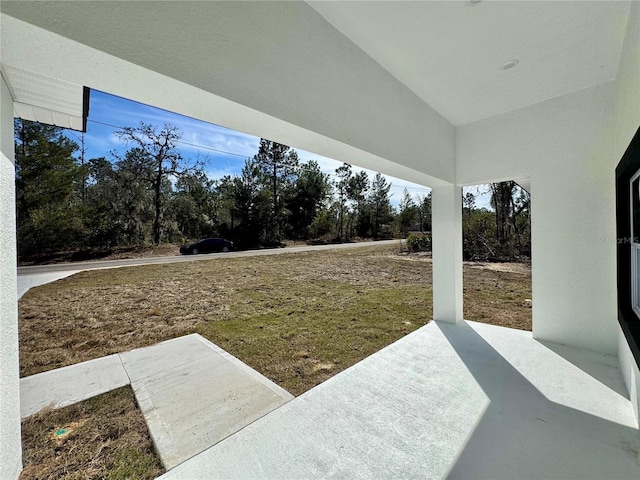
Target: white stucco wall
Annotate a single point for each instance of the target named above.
(318, 92)
(564, 146)
(627, 121)
(10, 449)
(447, 253)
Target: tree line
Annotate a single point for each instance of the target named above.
(151, 194)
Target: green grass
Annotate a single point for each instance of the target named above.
(299, 339)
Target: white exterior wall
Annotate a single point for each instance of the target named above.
(10, 447)
(447, 253)
(563, 145)
(627, 121)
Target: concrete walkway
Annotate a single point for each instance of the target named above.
(68, 385)
(25, 282)
(447, 401)
(192, 393)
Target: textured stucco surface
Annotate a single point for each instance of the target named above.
(563, 145)
(10, 450)
(447, 253)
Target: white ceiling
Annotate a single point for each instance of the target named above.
(450, 52)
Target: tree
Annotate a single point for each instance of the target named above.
(343, 174)
(47, 177)
(278, 163)
(157, 147)
(502, 202)
(133, 206)
(307, 196)
(501, 234)
(242, 206)
(251, 205)
(477, 230)
(192, 205)
(511, 204)
(224, 197)
(323, 224)
(408, 212)
(520, 219)
(424, 212)
(381, 210)
(104, 193)
(357, 189)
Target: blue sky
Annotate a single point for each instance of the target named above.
(224, 149)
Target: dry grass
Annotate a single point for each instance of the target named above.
(338, 307)
(498, 293)
(106, 437)
(297, 318)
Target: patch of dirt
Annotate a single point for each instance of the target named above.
(510, 267)
(104, 437)
(372, 266)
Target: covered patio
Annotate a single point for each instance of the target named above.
(446, 94)
(468, 400)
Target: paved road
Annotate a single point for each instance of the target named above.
(94, 265)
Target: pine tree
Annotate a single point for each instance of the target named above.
(47, 177)
(382, 212)
(278, 163)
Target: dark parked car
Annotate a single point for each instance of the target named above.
(207, 245)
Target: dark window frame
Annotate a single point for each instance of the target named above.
(629, 322)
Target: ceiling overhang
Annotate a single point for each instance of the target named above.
(475, 60)
(45, 99)
(302, 84)
(390, 80)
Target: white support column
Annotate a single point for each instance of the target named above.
(447, 253)
(10, 443)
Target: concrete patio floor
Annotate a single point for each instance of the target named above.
(456, 401)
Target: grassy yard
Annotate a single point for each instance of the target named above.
(105, 437)
(297, 318)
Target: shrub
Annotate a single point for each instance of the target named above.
(419, 242)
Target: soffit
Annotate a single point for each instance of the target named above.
(450, 53)
(42, 98)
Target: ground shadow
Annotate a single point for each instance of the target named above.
(522, 434)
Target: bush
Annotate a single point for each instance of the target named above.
(417, 242)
